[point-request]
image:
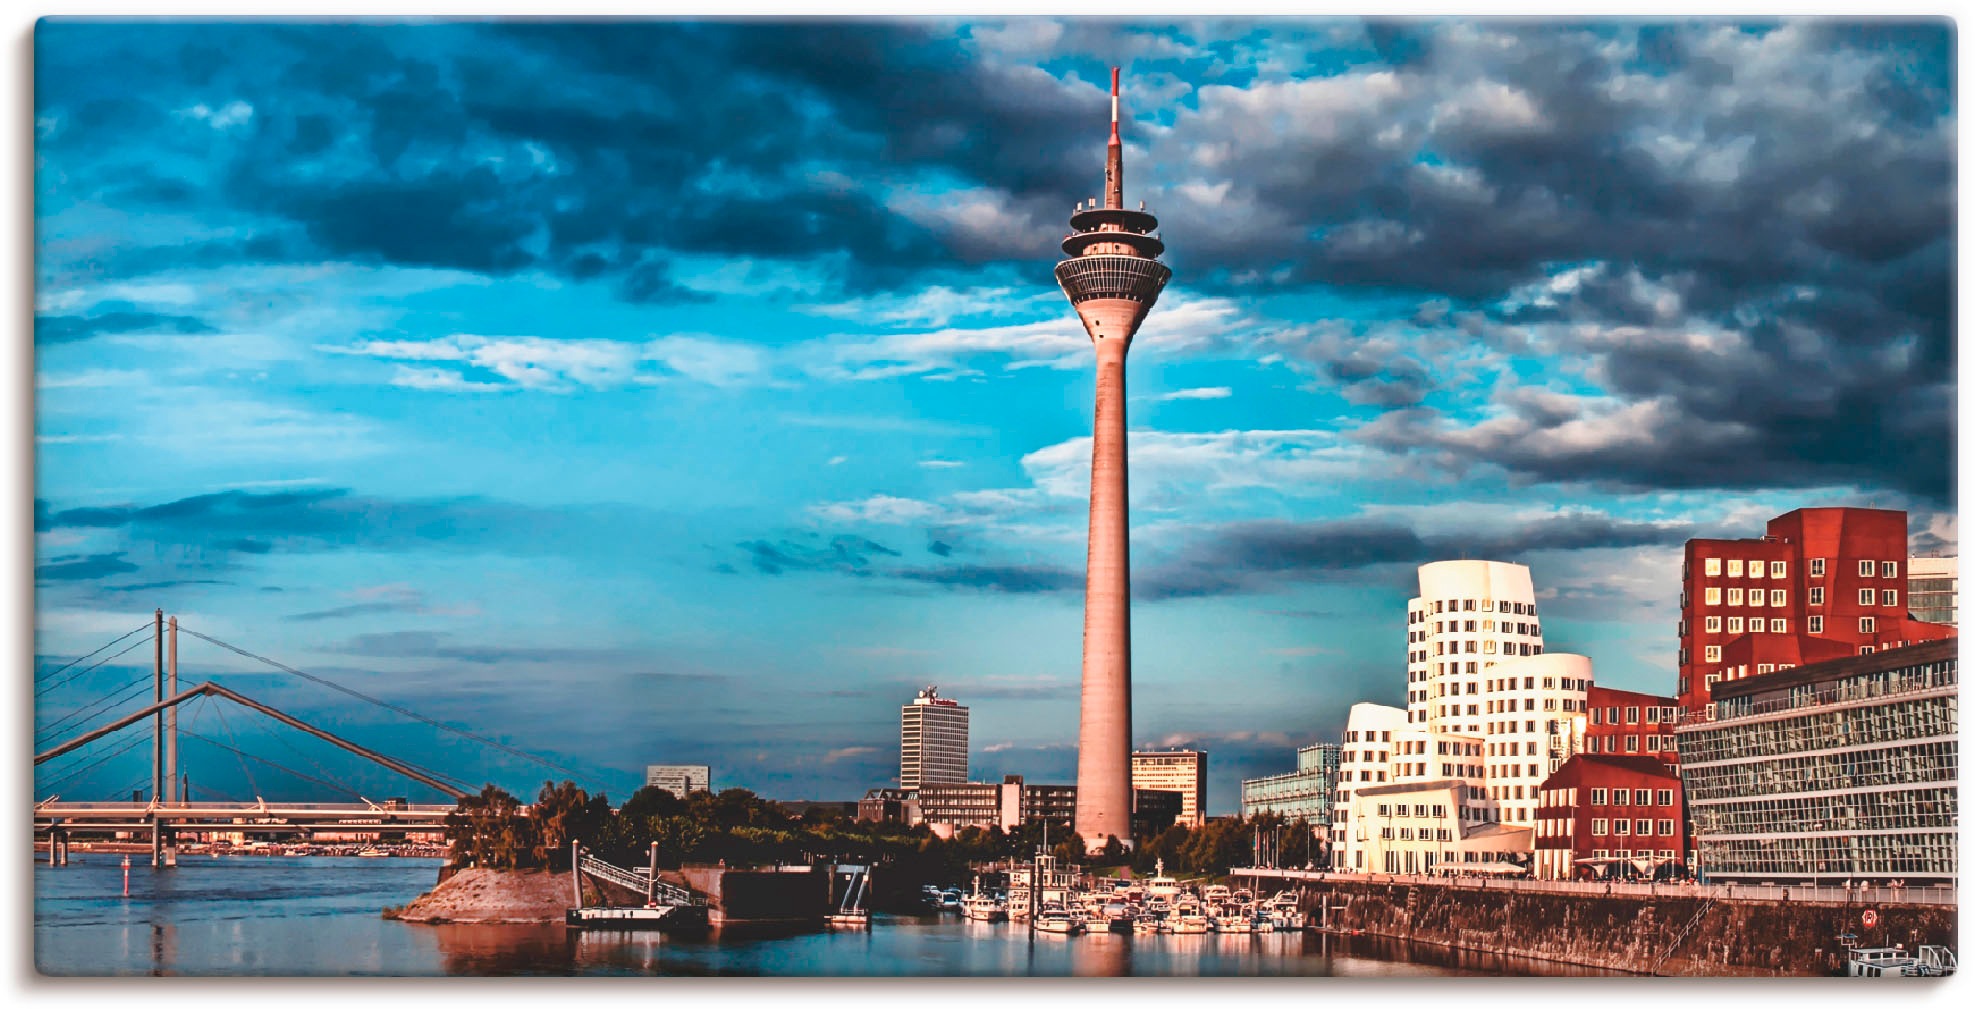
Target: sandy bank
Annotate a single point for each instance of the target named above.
(493, 897)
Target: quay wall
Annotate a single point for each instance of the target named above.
(797, 896)
(1670, 934)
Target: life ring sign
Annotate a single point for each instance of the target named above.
(1869, 918)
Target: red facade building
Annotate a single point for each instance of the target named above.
(1822, 583)
(1627, 723)
(1602, 815)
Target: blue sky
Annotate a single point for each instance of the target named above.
(669, 392)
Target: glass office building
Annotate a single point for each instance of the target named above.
(1305, 793)
(1830, 772)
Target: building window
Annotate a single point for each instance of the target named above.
(1889, 569)
(1816, 596)
(1621, 827)
(1735, 597)
(1779, 569)
(1735, 568)
(1642, 797)
(1642, 827)
(1817, 566)
(1889, 597)
(1711, 596)
(1866, 569)
(1780, 626)
(1666, 828)
(1814, 625)
(1713, 625)
(1779, 597)
(1737, 625)
(1664, 796)
(1867, 625)
(1866, 597)
(1598, 826)
(1628, 744)
(1712, 652)
(1711, 567)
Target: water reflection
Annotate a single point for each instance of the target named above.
(320, 916)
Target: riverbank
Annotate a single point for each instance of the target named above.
(492, 897)
(1669, 934)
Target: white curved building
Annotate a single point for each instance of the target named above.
(1467, 617)
(1530, 706)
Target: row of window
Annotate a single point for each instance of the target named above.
(1901, 809)
(1473, 605)
(1470, 627)
(1627, 744)
(1896, 722)
(1598, 826)
(1600, 796)
(1864, 856)
(1919, 764)
(1816, 566)
(1631, 714)
(1402, 809)
(1519, 648)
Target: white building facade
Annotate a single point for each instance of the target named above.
(679, 779)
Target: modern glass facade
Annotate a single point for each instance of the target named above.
(934, 741)
(1829, 772)
(1934, 589)
(1304, 793)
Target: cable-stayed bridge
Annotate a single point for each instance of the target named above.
(167, 810)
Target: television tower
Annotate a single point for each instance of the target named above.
(1112, 277)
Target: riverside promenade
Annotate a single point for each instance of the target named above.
(1857, 894)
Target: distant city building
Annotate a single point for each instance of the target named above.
(1155, 811)
(679, 779)
(887, 805)
(1305, 793)
(1008, 804)
(1628, 723)
(1603, 816)
(1184, 771)
(934, 741)
(1934, 589)
(1823, 583)
(1829, 772)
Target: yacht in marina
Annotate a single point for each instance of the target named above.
(1057, 919)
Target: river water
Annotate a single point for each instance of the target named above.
(273, 916)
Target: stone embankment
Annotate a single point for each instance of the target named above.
(1673, 935)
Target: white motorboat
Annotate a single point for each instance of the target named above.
(1056, 919)
(1188, 921)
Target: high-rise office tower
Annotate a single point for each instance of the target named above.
(1112, 277)
(934, 741)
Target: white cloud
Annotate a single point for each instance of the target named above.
(1203, 392)
(232, 114)
(941, 464)
(534, 362)
(935, 306)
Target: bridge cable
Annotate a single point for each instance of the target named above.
(237, 752)
(407, 712)
(91, 765)
(243, 754)
(120, 695)
(97, 665)
(144, 626)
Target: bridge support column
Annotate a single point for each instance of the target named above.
(171, 851)
(576, 875)
(157, 844)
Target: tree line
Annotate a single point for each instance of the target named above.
(494, 829)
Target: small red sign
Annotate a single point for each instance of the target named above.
(1869, 918)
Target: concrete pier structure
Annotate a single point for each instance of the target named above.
(1112, 277)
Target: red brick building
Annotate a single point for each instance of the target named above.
(1600, 814)
(1627, 723)
(1822, 583)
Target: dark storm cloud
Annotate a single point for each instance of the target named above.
(1265, 556)
(1012, 578)
(83, 567)
(846, 553)
(1788, 182)
(51, 329)
(216, 530)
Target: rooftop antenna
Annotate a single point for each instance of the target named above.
(1114, 200)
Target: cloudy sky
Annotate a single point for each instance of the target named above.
(681, 392)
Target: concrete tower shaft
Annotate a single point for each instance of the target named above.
(1112, 277)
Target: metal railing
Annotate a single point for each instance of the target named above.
(665, 893)
(1927, 895)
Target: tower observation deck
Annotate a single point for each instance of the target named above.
(1112, 277)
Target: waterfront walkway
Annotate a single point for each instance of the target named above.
(1943, 895)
